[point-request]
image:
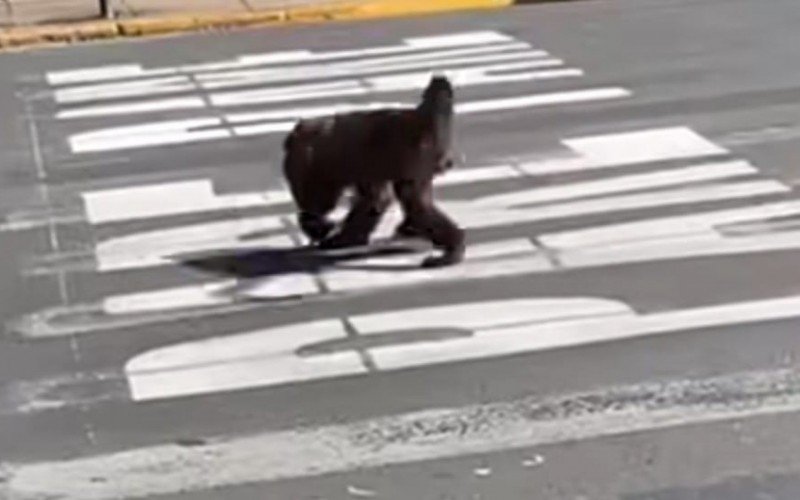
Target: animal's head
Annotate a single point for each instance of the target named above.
(438, 95)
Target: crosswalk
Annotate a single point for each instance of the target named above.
(155, 251)
(632, 196)
(283, 86)
(636, 175)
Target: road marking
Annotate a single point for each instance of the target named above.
(100, 73)
(158, 248)
(593, 152)
(120, 71)
(429, 434)
(274, 356)
(205, 295)
(153, 86)
(148, 134)
(183, 131)
(441, 61)
(644, 145)
(635, 182)
(467, 77)
(271, 356)
(144, 202)
(131, 108)
(666, 226)
(549, 99)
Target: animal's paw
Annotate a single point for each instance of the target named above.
(448, 258)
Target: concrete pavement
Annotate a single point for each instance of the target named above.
(630, 194)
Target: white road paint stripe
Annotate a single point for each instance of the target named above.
(643, 146)
(705, 244)
(535, 100)
(273, 356)
(480, 75)
(429, 434)
(363, 67)
(100, 73)
(485, 260)
(476, 174)
(131, 108)
(141, 250)
(148, 134)
(666, 227)
(204, 295)
(142, 202)
(149, 87)
(510, 257)
(183, 131)
(158, 248)
(310, 111)
(650, 180)
(410, 45)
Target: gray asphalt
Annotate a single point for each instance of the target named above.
(728, 69)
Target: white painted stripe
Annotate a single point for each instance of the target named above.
(205, 295)
(142, 202)
(131, 108)
(118, 90)
(611, 204)
(650, 180)
(483, 75)
(271, 356)
(122, 71)
(476, 174)
(709, 243)
(410, 45)
(483, 260)
(148, 135)
(263, 129)
(625, 149)
(456, 39)
(180, 131)
(156, 248)
(310, 111)
(666, 226)
(535, 100)
(360, 68)
(643, 146)
(151, 248)
(94, 74)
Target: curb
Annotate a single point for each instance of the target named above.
(19, 37)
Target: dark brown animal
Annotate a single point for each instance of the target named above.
(376, 153)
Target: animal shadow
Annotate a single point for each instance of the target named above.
(268, 262)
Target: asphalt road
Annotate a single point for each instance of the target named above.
(625, 325)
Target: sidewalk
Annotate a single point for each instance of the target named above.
(25, 23)
(30, 12)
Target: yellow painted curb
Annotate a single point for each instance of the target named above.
(58, 33)
(62, 33)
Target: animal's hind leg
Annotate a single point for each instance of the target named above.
(432, 223)
(371, 201)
